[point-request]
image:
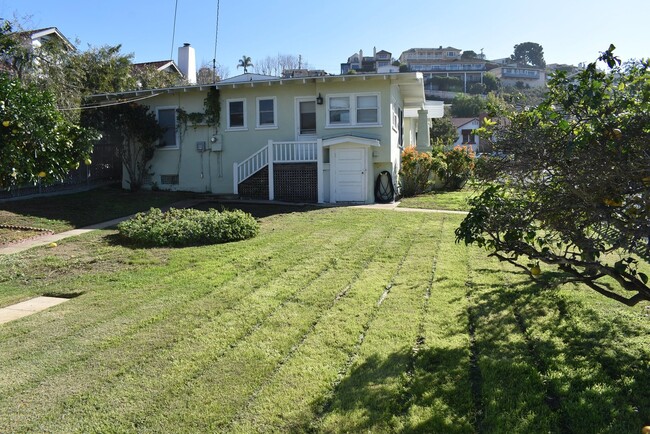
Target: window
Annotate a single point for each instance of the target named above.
(307, 117)
(468, 137)
(236, 114)
(167, 121)
(266, 113)
(367, 109)
(353, 110)
(339, 110)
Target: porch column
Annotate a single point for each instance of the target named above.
(235, 178)
(269, 149)
(319, 170)
(423, 139)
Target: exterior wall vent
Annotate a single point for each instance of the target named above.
(169, 179)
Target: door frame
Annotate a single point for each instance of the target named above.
(298, 100)
(350, 142)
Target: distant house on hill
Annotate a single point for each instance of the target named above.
(160, 65)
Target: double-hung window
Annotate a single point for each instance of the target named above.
(167, 121)
(367, 109)
(266, 113)
(339, 110)
(353, 110)
(236, 114)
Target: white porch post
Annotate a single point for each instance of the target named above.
(269, 149)
(423, 138)
(235, 178)
(319, 169)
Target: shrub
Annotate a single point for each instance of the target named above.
(188, 227)
(459, 167)
(417, 170)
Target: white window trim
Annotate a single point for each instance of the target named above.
(274, 125)
(353, 111)
(237, 128)
(178, 133)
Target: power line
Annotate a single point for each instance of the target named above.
(216, 36)
(171, 53)
(88, 107)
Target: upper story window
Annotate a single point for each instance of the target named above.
(266, 113)
(353, 110)
(167, 121)
(236, 114)
(451, 54)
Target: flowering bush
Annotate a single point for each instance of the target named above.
(417, 170)
(187, 227)
(458, 168)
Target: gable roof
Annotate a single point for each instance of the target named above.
(160, 65)
(47, 33)
(461, 122)
(248, 77)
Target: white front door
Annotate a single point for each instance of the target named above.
(350, 174)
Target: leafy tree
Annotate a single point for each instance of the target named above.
(529, 53)
(443, 132)
(491, 82)
(573, 189)
(36, 141)
(469, 54)
(464, 106)
(245, 62)
(134, 130)
(477, 89)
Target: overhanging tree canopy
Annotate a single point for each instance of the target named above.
(573, 189)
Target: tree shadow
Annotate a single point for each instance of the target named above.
(571, 369)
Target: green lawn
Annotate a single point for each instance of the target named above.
(448, 200)
(69, 211)
(334, 320)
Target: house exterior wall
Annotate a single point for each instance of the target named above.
(473, 125)
(212, 170)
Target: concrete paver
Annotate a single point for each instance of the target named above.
(28, 307)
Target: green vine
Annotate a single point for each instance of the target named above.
(210, 116)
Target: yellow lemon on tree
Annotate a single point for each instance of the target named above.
(6, 123)
(88, 161)
(645, 430)
(42, 174)
(535, 270)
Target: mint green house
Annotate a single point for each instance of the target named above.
(311, 139)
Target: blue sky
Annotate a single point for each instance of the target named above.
(325, 33)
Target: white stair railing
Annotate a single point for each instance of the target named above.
(294, 152)
(274, 152)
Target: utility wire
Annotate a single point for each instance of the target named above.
(171, 53)
(88, 107)
(216, 38)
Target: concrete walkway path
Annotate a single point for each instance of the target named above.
(28, 307)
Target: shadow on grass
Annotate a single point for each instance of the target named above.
(90, 207)
(569, 369)
(591, 364)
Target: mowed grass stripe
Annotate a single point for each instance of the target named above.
(512, 389)
(373, 380)
(593, 359)
(299, 390)
(440, 391)
(268, 347)
(215, 340)
(119, 313)
(151, 338)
